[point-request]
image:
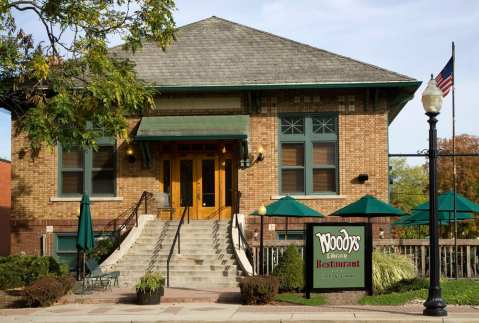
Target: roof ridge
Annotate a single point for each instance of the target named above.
(176, 29)
(305, 45)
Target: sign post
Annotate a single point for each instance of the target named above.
(338, 257)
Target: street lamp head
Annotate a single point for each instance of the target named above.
(262, 210)
(432, 98)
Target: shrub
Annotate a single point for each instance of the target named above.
(390, 269)
(150, 283)
(10, 277)
(290, 270)
(103, 248)
(47, 290)
(259, 289)
(17, 271)
(68, 283)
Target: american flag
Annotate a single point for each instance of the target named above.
(444, 79)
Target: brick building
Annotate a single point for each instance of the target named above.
(240, 110)
(5, 202)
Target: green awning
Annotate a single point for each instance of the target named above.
(210, 127)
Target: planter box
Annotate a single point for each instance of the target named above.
(148, 298)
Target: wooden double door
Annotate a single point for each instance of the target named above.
(203, 182)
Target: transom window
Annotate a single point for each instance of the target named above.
(292, 125)
(308, 154)
(90, 171)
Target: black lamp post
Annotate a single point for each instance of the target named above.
(261, 212)
(432, 101)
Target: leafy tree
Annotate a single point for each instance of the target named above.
(56, 89)
(467, 174)
(409, 184)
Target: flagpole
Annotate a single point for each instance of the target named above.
(454, 176)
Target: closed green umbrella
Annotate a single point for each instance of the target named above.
(368, 206)
(85, 237)
(289, 207)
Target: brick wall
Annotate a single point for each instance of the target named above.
(362, 149)
(34, 190)
(5, 202)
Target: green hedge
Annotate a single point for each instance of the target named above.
(18, 271)
(290, 270)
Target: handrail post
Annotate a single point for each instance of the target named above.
(239, 233)
(146, 204)
(172, 249)
(168, 275)
(179, 238)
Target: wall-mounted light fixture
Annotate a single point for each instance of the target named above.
(260, 153)
(223, 150)
(130, 154)
(363, 178)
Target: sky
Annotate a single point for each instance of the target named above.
(411, 37)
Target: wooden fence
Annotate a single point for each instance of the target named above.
(417, 249)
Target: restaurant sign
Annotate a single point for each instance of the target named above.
(338, 256)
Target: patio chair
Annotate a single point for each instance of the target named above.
(97, 275)
(163, 202)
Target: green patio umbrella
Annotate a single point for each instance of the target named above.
(446, 204)
(85, 237)
(289, 207)
(455, 204)
(284, 207)
(368, 206)
(444, 217)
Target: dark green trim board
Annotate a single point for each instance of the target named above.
(204, 127)
(287, 86)
(190, 138)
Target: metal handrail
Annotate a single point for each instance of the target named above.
(186, 210)
(241, 237)
(145, 196)
(128, 216)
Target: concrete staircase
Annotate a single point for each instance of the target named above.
(206, 261)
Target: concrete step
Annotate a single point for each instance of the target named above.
(190, 251)
(206, 260)
(167, 241)
(162, 266)
(187, 261)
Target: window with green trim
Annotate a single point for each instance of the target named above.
(88, 170)
(309, 154)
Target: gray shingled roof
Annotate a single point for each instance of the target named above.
(218, 52)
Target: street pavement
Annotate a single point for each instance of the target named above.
(231, 313)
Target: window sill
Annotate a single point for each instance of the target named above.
(311, 197)
(92, 199)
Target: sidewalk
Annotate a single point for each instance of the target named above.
(188, 312)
